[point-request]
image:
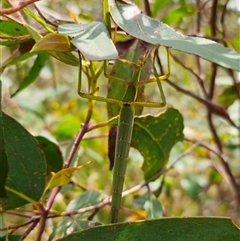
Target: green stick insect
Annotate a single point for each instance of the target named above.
(128, 104)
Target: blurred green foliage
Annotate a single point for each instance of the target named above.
(199, 184)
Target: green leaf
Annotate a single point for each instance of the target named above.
(9, 29)
(27, 167)
(65, 57)
(11, 238)
(166, 229)
(150, 204)
(176, 15)
(53, 42)
(4, 168)
(92, 39)
(12, 43)
(52, 154)
(158, 6)
(36, 36)
(132, 21)
(20, 54)
(34, 72)
(62, 177)
(24, 52)
(86, 199)
(67, 224)
(39, 20)
(228, 95)
(154, 136)
(192, 185)
(12, 29)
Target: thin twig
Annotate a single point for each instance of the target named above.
(213, 107)
(107, 200)
(21, 37)
(81, 133)
(20, 6)
(190, 70)
(30, 228)
(16, 226)
(19, 214)
(42, 16)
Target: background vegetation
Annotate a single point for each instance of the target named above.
(205, 182)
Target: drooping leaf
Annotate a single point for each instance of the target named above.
(36, 36)
(4, 168)
(60, 178)
(134, 22)
(166, 229)
(65, 57)
(53, 42)
(27, 167)
(52, 154)
(154, 137)
(39, 19)
(92, 39)
(20, 54)
(34, 72)
(24, 52)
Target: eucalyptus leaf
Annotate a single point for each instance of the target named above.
(52, 153)
(27, 168)
(166, 229)
(154, 137)
(53, 42)
(34, 72)
(4, 167)
(135, 23)
(92, 39)
(9, 28)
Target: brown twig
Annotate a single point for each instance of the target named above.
(42, 16)
(16, 226)
(81, 133)
(190, 70)
(20, 6)
(107, 200)
(215, 108)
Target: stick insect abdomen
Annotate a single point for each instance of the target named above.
(124, 136)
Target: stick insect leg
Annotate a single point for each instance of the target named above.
(112, 77)
(92, 95)
(158, 78)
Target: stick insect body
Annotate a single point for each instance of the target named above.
(126, 120)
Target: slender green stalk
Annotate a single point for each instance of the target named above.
(124, 136)
(106, 16)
